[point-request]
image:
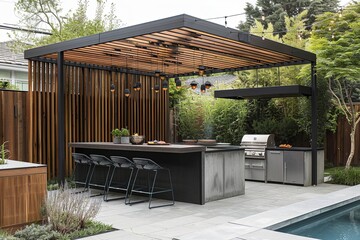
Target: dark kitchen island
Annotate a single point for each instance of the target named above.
(200, 174)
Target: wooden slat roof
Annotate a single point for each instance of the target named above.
(175, 45)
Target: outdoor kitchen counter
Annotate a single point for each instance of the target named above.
(200, 174)
(293, 165)
(170, 148)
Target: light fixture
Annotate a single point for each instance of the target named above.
(138, 86)
(178, 82)
(193, 84)
(201, 70)
(208, 85)
(162, 76)
(203, 88)
(157, 73)
(156, 88)
(112, 88)
(165, 85)
(127, 92)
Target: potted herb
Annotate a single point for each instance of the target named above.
(125, 135)
(3, 153)
(116, 135)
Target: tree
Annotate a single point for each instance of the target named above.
(275, 11)
(47, 14)
(336, 40)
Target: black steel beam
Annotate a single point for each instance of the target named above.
(264, 92)
(314, 124)
(61, 118)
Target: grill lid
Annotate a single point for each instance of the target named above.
(263, 140)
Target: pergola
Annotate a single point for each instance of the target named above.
(175, 46)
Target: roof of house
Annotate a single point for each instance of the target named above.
(7, 56)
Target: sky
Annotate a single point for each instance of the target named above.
(132, 12)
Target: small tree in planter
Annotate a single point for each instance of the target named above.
(116, 135)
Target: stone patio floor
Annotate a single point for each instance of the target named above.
(180, 221)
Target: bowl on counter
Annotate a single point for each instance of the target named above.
(189, 141)
(207, 142)
(137, 139)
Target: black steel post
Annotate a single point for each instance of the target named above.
(60, 118)
(314, 124)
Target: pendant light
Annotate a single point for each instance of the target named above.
(138, 86)
(208, 85)
(165, 85)
(201, 70)
(193, 84)
(178, 82)
(162, 76)
(157, 73)
(127, 92)
(203, 88)
(112, 88)
(156, 88)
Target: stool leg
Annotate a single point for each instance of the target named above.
(132, 188)
(107, 186)
(172, 189)
(152, 190)
(106, 183)
(128, 186)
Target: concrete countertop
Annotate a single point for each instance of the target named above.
(305, 149)
(171, 148)
(12, 164)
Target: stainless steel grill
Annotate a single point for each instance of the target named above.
(255, 160)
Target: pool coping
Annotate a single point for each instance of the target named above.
(262, 225)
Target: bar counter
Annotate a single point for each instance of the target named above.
(200, 174)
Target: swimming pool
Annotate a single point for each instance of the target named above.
(342, 223)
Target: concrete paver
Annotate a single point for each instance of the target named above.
(188, 221)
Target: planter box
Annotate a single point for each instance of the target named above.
(22, 193)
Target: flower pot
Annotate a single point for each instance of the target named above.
(125, 140)
(117, 140)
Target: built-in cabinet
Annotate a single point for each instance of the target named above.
(292, 166)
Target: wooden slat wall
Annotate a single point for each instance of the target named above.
(91, 110)
(13, 123)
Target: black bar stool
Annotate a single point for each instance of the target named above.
(82, 159)
(98, 161)
(119, 162)
(145, 164)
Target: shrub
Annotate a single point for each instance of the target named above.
(349, 177)
(67, 211)
(37, 232)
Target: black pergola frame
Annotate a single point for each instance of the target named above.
(177, 22)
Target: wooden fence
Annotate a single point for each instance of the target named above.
(338, 144)
(14, 123)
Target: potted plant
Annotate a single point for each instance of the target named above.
(3, 153)
(116, 135)
(125, 135)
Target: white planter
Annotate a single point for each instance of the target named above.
(125, 139)
(117, 140)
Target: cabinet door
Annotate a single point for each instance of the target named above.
(294, 167)
(275, 163)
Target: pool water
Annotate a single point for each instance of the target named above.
(339, 224)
